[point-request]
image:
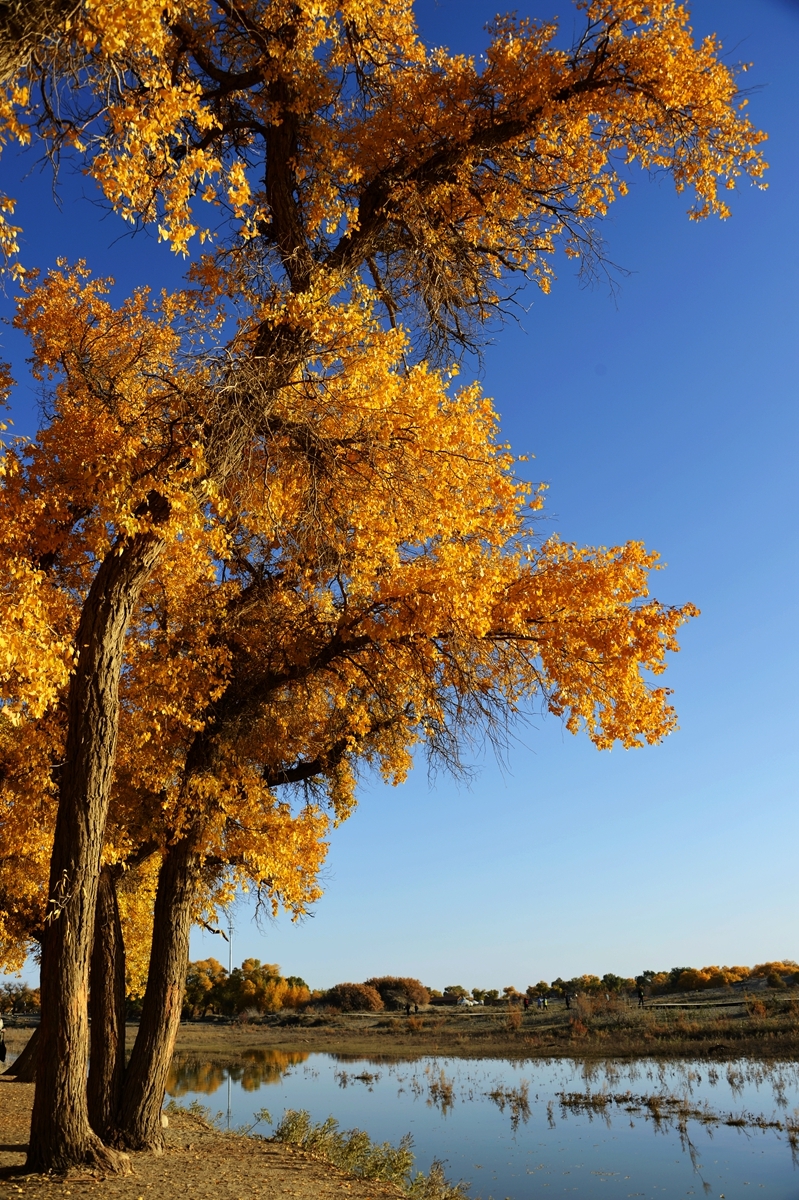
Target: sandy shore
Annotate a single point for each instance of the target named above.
(198, 1164)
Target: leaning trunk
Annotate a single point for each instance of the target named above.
(23, 1069)
(106, 1010)
(146, 1075)
(61, 1136)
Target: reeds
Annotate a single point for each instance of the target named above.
(514, 1019)
(440, 1090)
(353, 1150)
(516, 1099)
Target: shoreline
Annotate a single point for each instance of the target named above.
(715, 1025)
(719, 1027)
(198, 1163)
(204, 1163)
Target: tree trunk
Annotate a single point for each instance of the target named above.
(146, 1076)
(61, 1136)
(107, 1010)
(23, 1069)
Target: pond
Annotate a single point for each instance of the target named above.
(523, 1129)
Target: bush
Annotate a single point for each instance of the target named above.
(398, 990)
(352, 1150)
(354, 997)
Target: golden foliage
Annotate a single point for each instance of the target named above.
(333, 136)
(369, 583)
(348, 569)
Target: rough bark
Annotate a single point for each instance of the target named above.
(106, 1010)
(146, 1075)
(23, 1069)
(61, 1136)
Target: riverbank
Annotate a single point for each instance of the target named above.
(714, 1025)
(203, 1162)
(199, 1163)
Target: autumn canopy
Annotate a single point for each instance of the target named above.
(265, 539)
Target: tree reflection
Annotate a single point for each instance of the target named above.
(252, 1069)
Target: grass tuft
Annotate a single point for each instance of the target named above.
(201, 1113)
(353, 1150)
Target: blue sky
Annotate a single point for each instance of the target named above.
(666, 413)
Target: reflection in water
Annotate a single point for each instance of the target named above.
(517, 1100)
(440, 1090)
(582, 1127)
(370, 1078)
(670, 1111)
(252, 1070)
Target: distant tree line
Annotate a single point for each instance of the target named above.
(258, 988)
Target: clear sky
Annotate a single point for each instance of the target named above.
(665, 413)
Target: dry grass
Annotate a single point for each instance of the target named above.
(720, 1027)
(514, 1018)
(440, 1089)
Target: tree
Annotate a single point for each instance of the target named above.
(433, 621)
(397, 991)
(202, 986)
(354, 997)
(258, 986)
(357, 169)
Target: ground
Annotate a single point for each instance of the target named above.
(198, 1164)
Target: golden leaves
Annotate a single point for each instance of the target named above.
(347, 570)
(382, 144)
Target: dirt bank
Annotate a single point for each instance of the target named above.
(198, 1164)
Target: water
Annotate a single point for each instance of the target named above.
(502, 1126)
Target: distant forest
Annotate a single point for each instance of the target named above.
(260, 987)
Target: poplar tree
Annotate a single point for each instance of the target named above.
(378, 198)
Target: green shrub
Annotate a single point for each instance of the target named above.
(353, 1150)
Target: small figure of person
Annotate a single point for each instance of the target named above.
(539, 1002)
(568, 1000)
(640, 997)
(546, 1002)
(407, 1010)
(416, 1008)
